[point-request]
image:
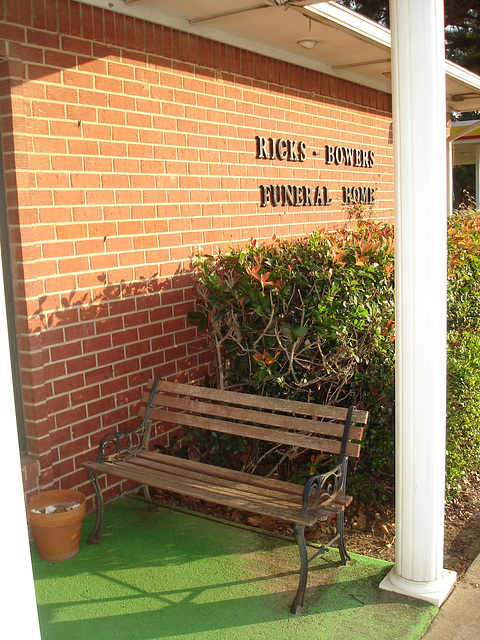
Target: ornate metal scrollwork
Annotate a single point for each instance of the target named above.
(119, 445)
(321, 490)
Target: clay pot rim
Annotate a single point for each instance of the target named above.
(56, 497)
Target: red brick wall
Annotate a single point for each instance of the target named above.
(127, 145)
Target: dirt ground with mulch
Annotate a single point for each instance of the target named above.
(371, 531)
(370, 528)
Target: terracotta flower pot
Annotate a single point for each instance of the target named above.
(57, 535)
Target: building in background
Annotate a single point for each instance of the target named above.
(134, 133)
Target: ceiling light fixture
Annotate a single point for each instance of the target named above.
(308, 42)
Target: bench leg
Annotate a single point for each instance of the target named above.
(341, 541)
(148, 497)
(297, 603)
(94, 536)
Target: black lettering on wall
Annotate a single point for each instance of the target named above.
(280, 149)
(349, 156)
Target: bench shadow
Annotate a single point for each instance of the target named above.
(169, 575)
(148, 615)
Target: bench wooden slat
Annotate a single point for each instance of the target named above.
(263, 402)
(227, 486)
(202, 491)
(259, 433)
(267, 488)
(339, 503)
(220, 472)
(253, 417)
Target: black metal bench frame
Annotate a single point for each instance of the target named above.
(126, 455)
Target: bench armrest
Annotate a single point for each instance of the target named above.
(327, 486)
(321, 490)
(118, 445)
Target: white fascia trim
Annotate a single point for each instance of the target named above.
(152, 14)
(455, 71)
(467, 83)
(353, 23)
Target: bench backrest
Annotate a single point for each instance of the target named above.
(301, 424)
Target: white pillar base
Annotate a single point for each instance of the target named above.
(434, 592)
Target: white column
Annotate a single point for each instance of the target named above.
(418, 75)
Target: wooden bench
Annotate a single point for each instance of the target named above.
(318, 428)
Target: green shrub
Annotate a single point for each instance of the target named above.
(313, 319)
(299, 316)
(463, 408)
(463, 397)
(464, 271)
(310, 319)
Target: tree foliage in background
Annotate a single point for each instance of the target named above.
(377, 10)
(463, 184)
(462, 33)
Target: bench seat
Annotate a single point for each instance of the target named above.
(265, 496)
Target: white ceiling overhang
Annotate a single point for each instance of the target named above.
(348, 46)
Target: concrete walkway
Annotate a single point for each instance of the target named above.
(459, 616)
(170, 575)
